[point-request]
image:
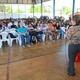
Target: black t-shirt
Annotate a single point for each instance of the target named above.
(13, 26)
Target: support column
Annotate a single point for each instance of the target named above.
(18, 12)
(11, 11)
(33, 9)
(53, 9)
(41, 8)
(4, 9)
(4, 15)
(25, 10)
(73, 7)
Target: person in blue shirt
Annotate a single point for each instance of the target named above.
(23, 33)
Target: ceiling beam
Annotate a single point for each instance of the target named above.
(21, 1)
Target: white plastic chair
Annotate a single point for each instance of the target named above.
(12, 39)
(19, 39)
(5, 37)
(43, 37)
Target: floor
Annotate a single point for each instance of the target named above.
(43, 61)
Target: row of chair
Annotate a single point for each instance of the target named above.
(5, 37)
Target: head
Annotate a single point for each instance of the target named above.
(13, 22)
(3, 24)
(34, 24)
(75, 20)
(50, 24)
(21, 24)
(54, 22)
(57, 23)
(29, 25)
(43, 25)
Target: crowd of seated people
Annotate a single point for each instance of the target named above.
(35, 31)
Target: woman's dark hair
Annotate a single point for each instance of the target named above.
(76, 18)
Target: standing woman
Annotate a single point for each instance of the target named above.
(73, 34)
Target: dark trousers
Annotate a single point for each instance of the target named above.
(33, 33)
(73, 50)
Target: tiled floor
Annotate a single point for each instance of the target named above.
(44, 61)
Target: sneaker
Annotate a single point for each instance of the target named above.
(29, 45)
(23, 46)
(71, 74)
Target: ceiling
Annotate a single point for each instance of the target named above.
(21, 1)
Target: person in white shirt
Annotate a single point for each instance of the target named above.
(44, 30)
(16, 23)
(9, 24)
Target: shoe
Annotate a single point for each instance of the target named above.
(23, 46)
(71, 74)
(29, 45)
(68, 69)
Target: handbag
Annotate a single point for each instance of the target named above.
(78, 58)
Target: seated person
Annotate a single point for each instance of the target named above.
(32, 32)
(12, 30)
(2, 27)
(63, 32)
(13, 25)
(44, 30)
(1, 30)
(9, 24)
(39, 32)
(23, 33)
(51, 30)
(13, 33)
(56, 34)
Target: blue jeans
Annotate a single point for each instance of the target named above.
(39, 37)
(23, 39)
(62, 33)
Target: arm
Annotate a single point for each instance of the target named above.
(26, 30)
(25, 33)
(2, 30)
(71, 32)
(18, 30)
